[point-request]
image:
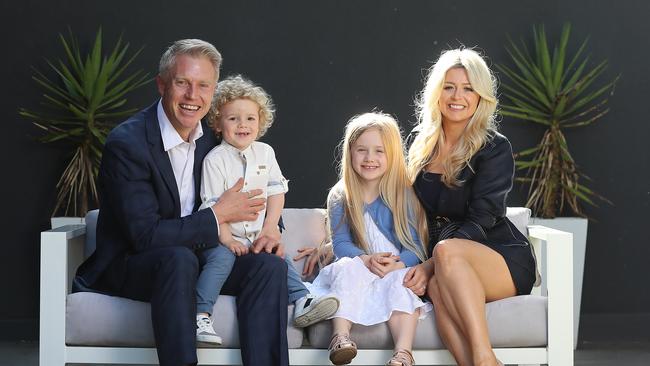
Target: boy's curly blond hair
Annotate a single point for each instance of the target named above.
(238, 87)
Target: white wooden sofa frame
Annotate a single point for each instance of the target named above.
(62, 252)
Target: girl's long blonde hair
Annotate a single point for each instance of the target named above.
(394, 187)
(430, 136)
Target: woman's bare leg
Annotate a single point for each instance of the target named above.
(469, 274)
(449, 331)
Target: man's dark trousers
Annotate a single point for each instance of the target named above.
(165, 276)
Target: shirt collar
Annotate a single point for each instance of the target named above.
(235, 150)
(170, 136)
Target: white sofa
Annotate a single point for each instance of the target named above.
(91, 328)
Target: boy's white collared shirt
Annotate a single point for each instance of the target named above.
(225, 164)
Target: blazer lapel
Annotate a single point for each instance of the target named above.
(160, 156)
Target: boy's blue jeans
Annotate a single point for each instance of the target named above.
(216, 263)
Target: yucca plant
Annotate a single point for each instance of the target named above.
(544, 88)
(82, 100)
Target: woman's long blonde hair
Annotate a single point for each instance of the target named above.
(430, 136)
(394, 187)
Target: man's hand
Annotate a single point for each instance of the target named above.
(417, 277)
(236, 206)
(314, 256)
(383, 263)
(236, 247)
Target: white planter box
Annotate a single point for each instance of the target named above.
(578, 227)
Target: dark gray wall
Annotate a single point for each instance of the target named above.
(324, 62)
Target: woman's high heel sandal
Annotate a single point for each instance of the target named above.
(342, 349)
(401, 357)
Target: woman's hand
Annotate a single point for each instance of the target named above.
(382, 264)
(417, 277)
(314, 257)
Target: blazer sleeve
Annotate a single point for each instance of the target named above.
(128, 178)
(342, 241)
(492, 181)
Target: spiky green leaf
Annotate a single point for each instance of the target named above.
(81, 105)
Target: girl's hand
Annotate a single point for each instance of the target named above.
(315, 256)
(417, 277)
(366, 260)
(236, 247)
(382, 264)
(311, 259)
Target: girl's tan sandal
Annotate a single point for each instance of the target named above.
(342, 349)
(401, 357)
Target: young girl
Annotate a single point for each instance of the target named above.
(241, 113)
(378, 232)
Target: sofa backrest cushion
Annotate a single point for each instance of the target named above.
(303, 227)
(306, 227)
(520, 216)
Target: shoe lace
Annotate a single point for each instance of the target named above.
(205, 324)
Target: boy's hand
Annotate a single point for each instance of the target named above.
(269, 241)
(272, 231)
(236, 247)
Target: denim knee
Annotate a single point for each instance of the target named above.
(219, 254)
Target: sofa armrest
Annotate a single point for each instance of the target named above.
(61, 254)
(556, 267)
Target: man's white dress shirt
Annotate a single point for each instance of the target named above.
(181, 155)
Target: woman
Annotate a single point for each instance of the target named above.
(462, 170)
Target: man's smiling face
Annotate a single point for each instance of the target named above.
(187, 91)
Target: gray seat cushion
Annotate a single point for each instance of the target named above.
(513, 322)
(99, 320)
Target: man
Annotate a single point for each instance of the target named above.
(150, 236)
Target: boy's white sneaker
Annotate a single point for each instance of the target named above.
(205, 332)
(309, 309)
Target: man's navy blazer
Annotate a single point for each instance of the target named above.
(140, 204)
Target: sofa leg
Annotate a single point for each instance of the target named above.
(58, 249)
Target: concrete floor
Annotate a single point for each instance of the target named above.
(589, 354)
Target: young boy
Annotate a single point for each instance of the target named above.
(241, 113)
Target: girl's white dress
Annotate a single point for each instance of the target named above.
(365, 298)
